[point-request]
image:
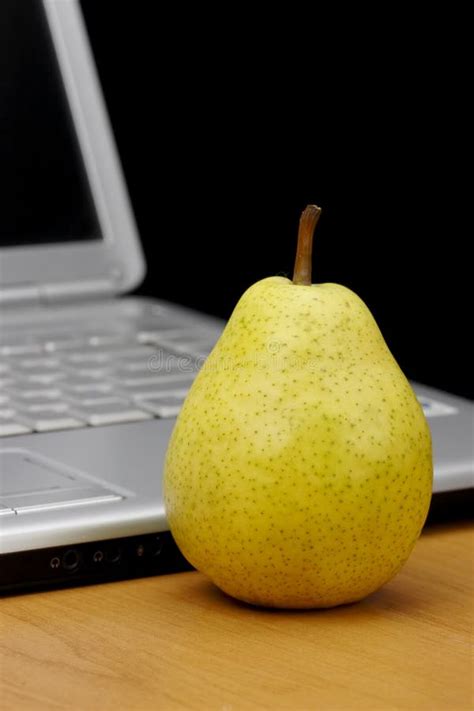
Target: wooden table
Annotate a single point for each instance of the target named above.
(176, 642)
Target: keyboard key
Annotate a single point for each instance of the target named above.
(129, 351)
(174, 393)
(110, 411)
(154, 360)
(165, 406)
(64, 340)
(80, 383)
(31, 408)
(166, 380)
(132, 366)
(87, 356)
(92, 397)
(150, 390)
(162, 364)
(46, 379)
(7, 412)
(152, 333)
(54, 416)
(10, 424)
(435, 408)
(34, 392)
(51, 422)
(105, 355)
(194, 346)
(17, 344)
(105, 339)
(200, 352)
(39, 370)
(93, 372)
(27, 348)
(100, 400)
(133, 351)
(60, 344)
(38, 364)
(87, 390)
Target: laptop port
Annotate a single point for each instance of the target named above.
(156, 546)
(113, 554)
(71, 560)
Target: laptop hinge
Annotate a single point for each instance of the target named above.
(72, 291)
(28, 294)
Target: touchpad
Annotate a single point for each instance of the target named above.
(30, 482)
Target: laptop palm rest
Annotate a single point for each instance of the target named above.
(30, 483)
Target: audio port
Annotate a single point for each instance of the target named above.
(55, 562)
(98, 557)
(71, 560)
(156, 546)
(113, 555)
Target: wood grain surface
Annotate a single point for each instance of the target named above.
(176, 642)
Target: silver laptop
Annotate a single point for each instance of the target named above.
(91, 383)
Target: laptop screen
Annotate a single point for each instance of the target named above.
(45, 195)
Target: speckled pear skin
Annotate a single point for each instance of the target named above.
(299, 472)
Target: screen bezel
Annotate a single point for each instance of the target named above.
(117, 256)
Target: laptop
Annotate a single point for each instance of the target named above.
(91, 380)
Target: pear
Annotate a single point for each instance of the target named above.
(299, 471)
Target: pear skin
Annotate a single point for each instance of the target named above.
(299, 471)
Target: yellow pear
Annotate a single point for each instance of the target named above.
(299, 471)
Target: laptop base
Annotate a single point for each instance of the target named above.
(92, 562)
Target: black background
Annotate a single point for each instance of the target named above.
(227, 125)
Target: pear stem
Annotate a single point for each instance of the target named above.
(308, 221)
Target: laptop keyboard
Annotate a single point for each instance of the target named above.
(106, 372)
(55, 380)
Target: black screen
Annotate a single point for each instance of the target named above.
(45, 196)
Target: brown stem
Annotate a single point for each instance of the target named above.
(308, 221)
